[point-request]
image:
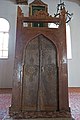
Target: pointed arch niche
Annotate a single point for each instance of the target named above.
(40, 76)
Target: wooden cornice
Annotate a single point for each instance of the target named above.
(39, 16)
(38, 20)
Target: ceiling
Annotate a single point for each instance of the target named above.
(76, 1)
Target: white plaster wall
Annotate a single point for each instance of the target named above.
(8, 10)
(74, 63)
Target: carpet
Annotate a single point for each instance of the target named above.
(74, 103)
(5, 101)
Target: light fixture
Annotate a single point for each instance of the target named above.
(60, 6)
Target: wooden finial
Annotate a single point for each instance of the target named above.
(19, 12)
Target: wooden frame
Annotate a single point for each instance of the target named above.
(58, 37)
(36, 3)
(36, 6)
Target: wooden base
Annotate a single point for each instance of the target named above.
(8, 118)
(58, 115)
(24, 115)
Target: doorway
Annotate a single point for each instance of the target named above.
(40, 80)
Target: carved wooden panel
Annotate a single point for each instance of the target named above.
(36, 6)
(48, 82)
(31, 74)
(40, 76)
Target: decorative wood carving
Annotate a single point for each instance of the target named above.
(40, 87)
(38, 2)
(41, 14)
(34, 8)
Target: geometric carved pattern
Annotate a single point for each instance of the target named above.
(28, 115)
(40, 76)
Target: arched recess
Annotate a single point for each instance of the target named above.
(40, 76)
(4, 37)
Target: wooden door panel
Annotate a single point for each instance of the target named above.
(31, 73)
(48, 84)
(40, 76)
